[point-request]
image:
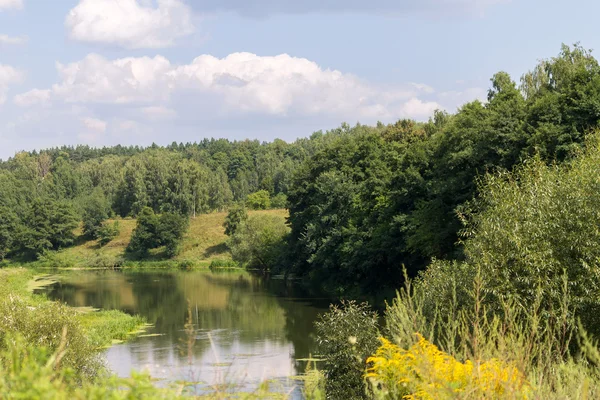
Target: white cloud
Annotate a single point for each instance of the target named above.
(7, 4)
(32, 97)
(6, 40)
(239, 84)
(8, 76)
(130, 23)
(419, 109)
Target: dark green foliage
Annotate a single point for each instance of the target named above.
(145, 235)
(95, 212)
(260, 200)
(370, 200)
(153, 231)
(279, 201)
(9, 231)
(259, 242)
(347, 335)
(171, 229)
(108, 232)
(235, 217)
(49, 225)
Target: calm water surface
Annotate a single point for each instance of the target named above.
(247, 329)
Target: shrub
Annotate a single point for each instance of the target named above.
(346, 336)
(108, 232)
(42, 325)
(56, 259)
(260, 200)
(533, 226)
(223, 264)
(259, 242)
(279, 201)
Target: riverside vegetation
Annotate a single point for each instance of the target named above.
(486, 219)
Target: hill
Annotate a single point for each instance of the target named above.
(203, 243)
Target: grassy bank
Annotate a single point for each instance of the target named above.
(101, 327)
(203, 244)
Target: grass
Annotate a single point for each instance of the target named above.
(101, 327)
(203, 244)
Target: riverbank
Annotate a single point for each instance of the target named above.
(101, 327)
(204, 244)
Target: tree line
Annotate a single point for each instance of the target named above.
(376, 198)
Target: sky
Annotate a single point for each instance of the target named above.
(137, 72)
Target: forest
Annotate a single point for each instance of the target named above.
(483, 223)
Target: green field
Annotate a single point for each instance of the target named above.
(203, 243)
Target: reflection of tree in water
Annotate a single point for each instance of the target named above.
(240, 306)
(302, 308)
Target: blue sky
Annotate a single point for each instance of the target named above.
(103, 72)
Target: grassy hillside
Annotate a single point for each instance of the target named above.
(203, 242)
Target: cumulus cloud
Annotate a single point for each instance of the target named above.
(7, 4)
(6, 40)
(387, 7)
(239, 84)
(131, 24)
(8, 76)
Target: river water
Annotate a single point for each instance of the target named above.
(246, 329)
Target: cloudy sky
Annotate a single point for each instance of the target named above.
(103, 72)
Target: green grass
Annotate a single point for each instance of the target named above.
(203, 244)
(101, 327)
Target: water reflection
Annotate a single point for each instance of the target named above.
(245, 328)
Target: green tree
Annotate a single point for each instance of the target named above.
(153, 231)
(260, 200)
(259, 242)
(50, 225)
(9, 231)
(145, 235)
(95, 212)
(236, 216)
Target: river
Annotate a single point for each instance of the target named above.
(246, 329)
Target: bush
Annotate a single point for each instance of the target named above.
(533, 226)
(223, 264)
(346, 336)
(56, 259)
(260, 200)
(279, 201)
(108, 232)
(42, 325)
(259, 242)
(102, 260)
